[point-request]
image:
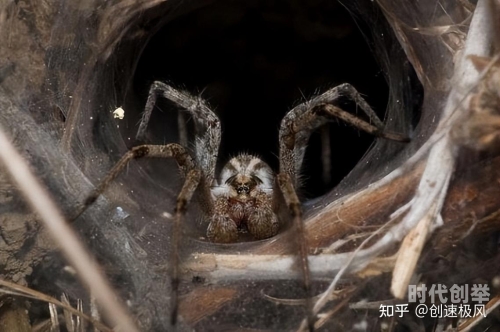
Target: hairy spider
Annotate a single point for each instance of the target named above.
(245, 193)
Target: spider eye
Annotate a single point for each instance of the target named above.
(243, 189)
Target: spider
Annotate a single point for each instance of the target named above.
(246, 193)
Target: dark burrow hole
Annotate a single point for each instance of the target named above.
(253, 62)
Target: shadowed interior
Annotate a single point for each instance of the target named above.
(253, 62)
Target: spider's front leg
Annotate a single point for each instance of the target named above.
(193, 180)
(296, 128)
(198, 173)
(243, 200)
(207, 124)
(299, 123)
(262, 221)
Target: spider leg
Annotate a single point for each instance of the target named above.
(207, 124)
(331, 111)
(302, 120)
(192, 175)
(190, 184)
(292, 201)
(296, 128)
(184, 160)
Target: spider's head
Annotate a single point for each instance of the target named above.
(244, 176)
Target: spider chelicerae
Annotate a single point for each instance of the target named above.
(246, 193)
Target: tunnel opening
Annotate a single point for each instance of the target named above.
(253, 62)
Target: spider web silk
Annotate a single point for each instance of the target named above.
(66, 65)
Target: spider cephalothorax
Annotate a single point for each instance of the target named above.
(243, 200)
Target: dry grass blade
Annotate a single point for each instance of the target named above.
(18, 290)
(325, 317)
(66, 238)
(54, 318)
(408, 256)
(473, 321)
(80, 323)
(68, 317)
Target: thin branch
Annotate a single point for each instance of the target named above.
(18, 290)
